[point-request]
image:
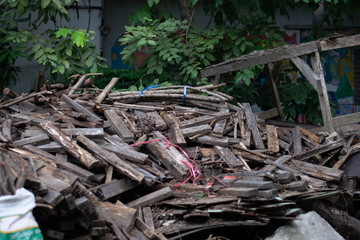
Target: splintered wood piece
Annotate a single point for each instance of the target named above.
(35, 140)
(352, 149)
(259, 144)
(297, 185)
(209, 140)
(203, 120)
(71, 147)
(321, 172)
(169, 156)
(71, 132)
(148, 231)
(119, 126)
(221, 124)
(22, 98)
(192, 131)
(125, 217)
(296, 135)
(53, 198)
(226, 155)
(160, 124)
(122, 149)
(269, 193)
(272, 138)
(100, 211)
(100, 98)
(319, 150)
(120, 165)
(239, 191)
(310, 135)
(56, 184)
(148, 217)
(78, 107)
(251, 184)
(6, 129)
(144, 122)
(281, 160)
(114, 188)
(175, 133)
(151, 198)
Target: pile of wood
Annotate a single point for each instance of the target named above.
(162, 163)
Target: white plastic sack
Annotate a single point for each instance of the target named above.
(16, 219)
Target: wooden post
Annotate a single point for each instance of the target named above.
(274, 90)
(322, 93)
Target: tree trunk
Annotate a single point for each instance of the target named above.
(185, 10)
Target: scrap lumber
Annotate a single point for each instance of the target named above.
(118, 124)
(151, 198)
(226, 155)
(106, 90)
(74, 149)
(272, 137)
(175, 133)
(119, 164)
(259, 144)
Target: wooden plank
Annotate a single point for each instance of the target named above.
(259, 58)
(123, 216)
(239, 191)
(127, 153)
(271, 113)
(209, 140)
(296, 139)
(175, 133)
(319, 150)
(100, 98)
(251, 184)
(35, 140)
(169, 156)
(153, 116)
(151, 198)
(71, 147)
(78, 107)
(259, 144)
(220, 124)
(203, 120)
(192, 131)
(272, 139)
(281, 160)
(119, 126)
(321, 172)
(114, 188)
(310, 135)
(143, 119)
(306, 70)
(72, 132)
(120, 165)
(228, 157)
(148, 217)
(322, 93)
(346, 119)
(274, 89)
(339, 42)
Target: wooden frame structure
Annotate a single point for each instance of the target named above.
(314, 75)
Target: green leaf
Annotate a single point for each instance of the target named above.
(36, 47)
(132, 88)
(39, 53)
(20, 9)
(61, 69)
(45, 3)
(210, 56)
(151, 42)
(141, 42)
(89, 61)
(68, 52)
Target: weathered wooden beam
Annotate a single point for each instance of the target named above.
(272, 139)
(322, 93)
(118, 124)
(114, 188)
(151, 198)
(259, 58)
(239, 191)
(100, 98)
(175, 133)
(169, 156)
(71, 147)
(346, 119)
(319, 150)
(306, 70)
(314, 170)
(72, 132)
(192, 131)
(228, 157)
(109, 157)
(259, 144)
(273, 80)
(78, 107)
(296, 136)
